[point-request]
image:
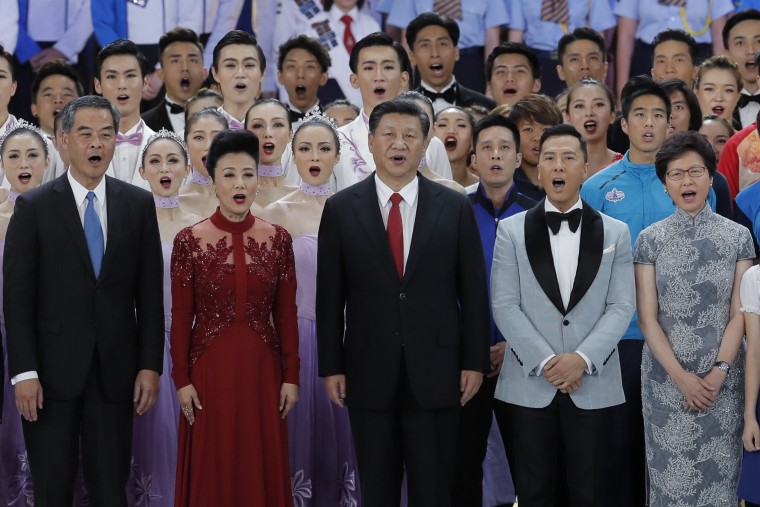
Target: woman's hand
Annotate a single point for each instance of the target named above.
(751, 435)
(188, 397)
(699, 394)
(288, 398)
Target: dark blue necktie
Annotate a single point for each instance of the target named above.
(93, 233)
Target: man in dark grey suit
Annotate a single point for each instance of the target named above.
(402, 256)
(83, 306)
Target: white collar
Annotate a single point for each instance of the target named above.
(548, 207)
(745, 92)
(138, 125)
(408, 191)
(431, 89)
(80, 192)
(335, 13)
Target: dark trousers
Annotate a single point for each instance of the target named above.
(104, 431)
(628, 489)
(403, 437)
(558, 437)
(475, 421)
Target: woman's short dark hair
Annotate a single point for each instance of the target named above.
(232, 141)
(263, 102)
(695, 112)
(678, 145)
(209, 112)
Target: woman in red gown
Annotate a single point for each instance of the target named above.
(234, 343)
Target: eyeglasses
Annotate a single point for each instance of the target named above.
(694, 171)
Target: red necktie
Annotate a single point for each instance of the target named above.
(396, 233)
(348, 37)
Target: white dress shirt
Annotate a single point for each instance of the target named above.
(748, 113)
(565, 247)
(68, 23)
(126, 156)
(176, 119)
(80, 200)
(439, 104)
(407, 208)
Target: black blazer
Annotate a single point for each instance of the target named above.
(158, 118)
(436, 319)
(58, 314)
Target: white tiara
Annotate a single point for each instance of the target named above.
(25, 125)
(165, 134)
(314, 116)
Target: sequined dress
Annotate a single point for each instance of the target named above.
(228, 278)
(693, 457)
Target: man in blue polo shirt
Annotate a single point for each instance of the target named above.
(630, 191)
(497, 154)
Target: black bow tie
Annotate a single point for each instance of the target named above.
(746, 99)
(554, 219)
(449, 95)
(175, 108)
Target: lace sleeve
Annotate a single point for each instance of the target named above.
(284, 307)
(183, 305)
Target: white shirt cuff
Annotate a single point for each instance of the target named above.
(24, 376)
(540, 368)
(589, 366)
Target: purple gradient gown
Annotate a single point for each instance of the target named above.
(322, 462)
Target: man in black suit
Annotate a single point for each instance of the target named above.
(402, 256)
(433, 39)
(84, 314)
(182, 71)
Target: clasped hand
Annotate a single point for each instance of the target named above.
(700, 393)
(564, 371)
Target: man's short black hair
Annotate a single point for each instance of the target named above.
(178, 34)
(121, 47)
(56, 68)
(639, 86)
(398, 106)
(495, 120)
(742, 15)
(308, 44)
(372, 40)
(513, 48)
(431, 19)
(582, 33)
(242, 38)
(564, 129)
(678, 35)
(678, 145)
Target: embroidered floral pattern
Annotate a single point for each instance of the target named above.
(301, 487)
(693, 457)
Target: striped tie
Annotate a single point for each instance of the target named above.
(451, 8)
(555, 11)
(673, 3)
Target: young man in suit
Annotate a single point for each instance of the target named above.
(562, 294)
(407, 353)
(182, 71)
(302, 67)
(433, 40)
(85, 343)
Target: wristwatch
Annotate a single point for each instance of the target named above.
(722, 366)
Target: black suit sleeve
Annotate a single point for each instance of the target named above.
(149, 292)
(472, 293)
(20, 287)
(331, 296)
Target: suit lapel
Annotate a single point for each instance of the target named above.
(589, 254)
(69, 214)
(166, 121)
(368, 213)
(539, 251)
(115, 209)
(428, 211)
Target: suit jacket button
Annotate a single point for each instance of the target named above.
(402, 296)
(566, 322)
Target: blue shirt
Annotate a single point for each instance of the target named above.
(654, 17)
(545, 35)
(748, 210)
(488, 220)
(477, 17)
(633, 194)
